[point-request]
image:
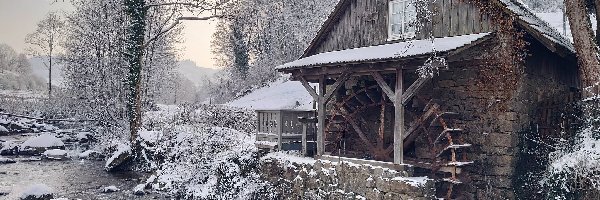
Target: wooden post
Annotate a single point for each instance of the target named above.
(279, 128)
(304, 130)
(399, 120)
(321, 117)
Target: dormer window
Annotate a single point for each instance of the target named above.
(401, 15)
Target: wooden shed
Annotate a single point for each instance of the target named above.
(285, 129)
(449, 95)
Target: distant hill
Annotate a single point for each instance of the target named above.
(41, 71)
(187, 68)
(194, 73)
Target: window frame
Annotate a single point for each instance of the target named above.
(404, 24)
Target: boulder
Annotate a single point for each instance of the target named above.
(6, 160)
(91, 155)
(110, 189)
(84, 137)
(18, 127)
(8, 148)
(3, 130)
(55, 154)
(120, 158)
(37, 192)
(139, 189)
(39, 144)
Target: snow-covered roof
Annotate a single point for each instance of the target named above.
(386, 51)
(539, 25)
(279, 95)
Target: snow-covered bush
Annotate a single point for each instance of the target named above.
(203, 152)
(574, 170)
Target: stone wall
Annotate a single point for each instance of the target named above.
(493, 114)
(322, 179)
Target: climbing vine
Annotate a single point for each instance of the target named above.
(507, 60)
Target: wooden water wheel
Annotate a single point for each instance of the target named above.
(350, 111)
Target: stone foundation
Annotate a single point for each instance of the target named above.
(321, 179)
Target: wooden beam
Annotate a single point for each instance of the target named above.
(310, 90)
(356, 128)
(342, 79)
(384, 86)
(399, 120)
(413, 89)
(322, 106)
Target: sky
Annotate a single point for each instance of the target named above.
(19, 18)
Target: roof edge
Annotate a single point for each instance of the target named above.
(326, 26)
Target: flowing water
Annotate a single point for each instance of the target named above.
(72, 179)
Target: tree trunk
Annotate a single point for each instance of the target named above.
(583, 37)
(597, 6)
(136, 31)
(50, 76)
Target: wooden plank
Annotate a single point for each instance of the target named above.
(445, 23)
(384, 86)
(413, 89)
(399, 120)
(342, 79)
(310, 90)
(476, 15)
(464, 20)
(485, 23)
(454, 18)
(438, 6)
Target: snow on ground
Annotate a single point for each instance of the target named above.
(164, 114)
(22, 94)
(45, 140)
(289, 157)
(281, 94)
(413, 181)
(2, 129)
(150, 136)
(37, 190)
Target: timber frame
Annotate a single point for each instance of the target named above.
(397, 95)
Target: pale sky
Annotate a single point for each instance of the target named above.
(19, 18)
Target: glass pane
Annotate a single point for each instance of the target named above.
(395, 29)
(397, 7)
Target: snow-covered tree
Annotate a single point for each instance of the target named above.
(272, 32)
(96, 69)
(15, 71)
(43, 42)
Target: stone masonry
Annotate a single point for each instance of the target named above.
(332, 180)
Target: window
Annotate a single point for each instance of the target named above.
(401, 15)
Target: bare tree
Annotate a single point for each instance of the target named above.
(43, 42)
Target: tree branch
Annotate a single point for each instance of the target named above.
(177, 21)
